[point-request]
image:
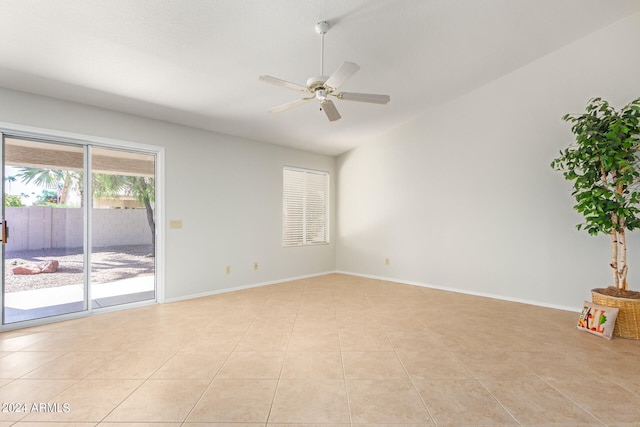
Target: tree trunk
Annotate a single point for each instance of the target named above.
(614, 256)
(620, 252)
(65, 188)
(622, 267)
(150, 220)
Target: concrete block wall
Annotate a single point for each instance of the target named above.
(115, 227)
(44, 227)
(67, 228)
(18, 223)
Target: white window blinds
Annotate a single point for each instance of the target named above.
(305, 207)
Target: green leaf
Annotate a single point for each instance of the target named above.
(603, 164)
(603, 319)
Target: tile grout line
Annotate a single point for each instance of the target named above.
(604, 423)
(544, 380)
(479, 381)
(149, 378)
(217, 372)
(413, 384)
(121, 401)
(284, 359)
(144, 381)
(204, 391)
(344, 373)
(22, 377)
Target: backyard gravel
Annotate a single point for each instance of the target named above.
(107, 264)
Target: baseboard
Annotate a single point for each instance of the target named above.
(242, 287)
(463, 291)
(371, 276)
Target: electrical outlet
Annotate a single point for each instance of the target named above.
(255, 265)
(386, 261)
(175, 223)
(228, 270)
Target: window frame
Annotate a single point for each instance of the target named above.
(289, 231)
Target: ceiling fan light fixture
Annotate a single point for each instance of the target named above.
(321, 94)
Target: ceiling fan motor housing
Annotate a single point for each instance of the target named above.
(316, 82)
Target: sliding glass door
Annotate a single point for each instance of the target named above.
(122, 227)
(44, 262)
(79, 228)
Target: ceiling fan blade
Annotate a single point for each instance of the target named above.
(330, 110)
(282, 83)
(342, 74)
(289, 105)
(364, 97)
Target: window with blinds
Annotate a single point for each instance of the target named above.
(305, 207)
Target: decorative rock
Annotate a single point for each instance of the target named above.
(49, 266)
(27, 269)
(41, 267)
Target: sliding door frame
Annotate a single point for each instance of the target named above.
(27, 132)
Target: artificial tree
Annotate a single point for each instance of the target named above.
(603, 164)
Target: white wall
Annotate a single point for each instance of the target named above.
(227, 191)
(463, 197)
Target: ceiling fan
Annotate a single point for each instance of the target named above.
(321, 87)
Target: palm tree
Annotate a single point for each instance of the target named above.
(10, 179)
(47, 178)
(50, 179)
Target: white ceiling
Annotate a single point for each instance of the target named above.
(197, 62)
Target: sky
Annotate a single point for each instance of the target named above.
(16, 188)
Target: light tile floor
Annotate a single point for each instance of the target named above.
(335, 350)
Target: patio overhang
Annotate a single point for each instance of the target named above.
(29, 153)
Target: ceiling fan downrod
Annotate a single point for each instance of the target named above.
(321, 28)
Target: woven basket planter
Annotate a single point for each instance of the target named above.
(628, 321)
